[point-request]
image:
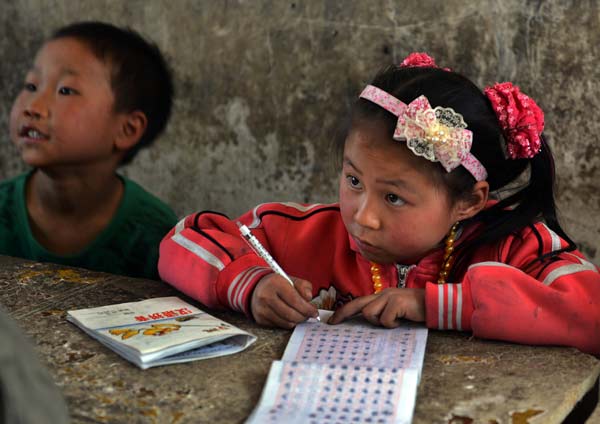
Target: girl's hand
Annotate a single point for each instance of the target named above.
(275, 303)
(385, 308)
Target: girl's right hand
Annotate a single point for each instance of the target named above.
(275, 303)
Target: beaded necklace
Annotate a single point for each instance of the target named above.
(448, 259)
(444, 270)
(376, 277)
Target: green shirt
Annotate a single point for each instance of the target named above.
(127, 246)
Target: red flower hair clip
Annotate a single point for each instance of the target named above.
(419, 60)
(521, 119)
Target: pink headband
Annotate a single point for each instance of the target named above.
(437, 134)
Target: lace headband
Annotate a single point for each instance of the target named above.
(519, 116)
(437, 134)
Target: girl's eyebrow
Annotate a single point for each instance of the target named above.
(400, 183)
(349, 162)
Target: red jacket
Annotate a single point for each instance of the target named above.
(502, 295)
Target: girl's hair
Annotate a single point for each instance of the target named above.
(530, 201)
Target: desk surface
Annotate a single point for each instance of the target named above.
(464, 379)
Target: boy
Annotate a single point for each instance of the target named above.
(95, 95)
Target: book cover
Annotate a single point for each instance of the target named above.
(160, 331)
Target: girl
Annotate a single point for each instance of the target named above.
(415, 234)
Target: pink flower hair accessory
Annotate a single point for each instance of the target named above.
(521, 119)
(438, 134)
(419, 60)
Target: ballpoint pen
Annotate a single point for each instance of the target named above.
(263, 253)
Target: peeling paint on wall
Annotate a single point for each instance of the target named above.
(262, 86)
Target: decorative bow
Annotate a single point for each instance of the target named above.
(437, 134)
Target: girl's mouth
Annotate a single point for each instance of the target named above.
(366, 247)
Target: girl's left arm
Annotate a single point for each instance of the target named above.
(518, 299)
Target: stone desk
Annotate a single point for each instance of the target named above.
(464, 380)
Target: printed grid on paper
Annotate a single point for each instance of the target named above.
(348, 373)
(354, 345)
(314, 393)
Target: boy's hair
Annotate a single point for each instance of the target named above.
(140, 77)
(531, 201)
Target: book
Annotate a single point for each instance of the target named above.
(160, 331)
(349, 372)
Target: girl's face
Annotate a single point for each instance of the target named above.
(390, 206)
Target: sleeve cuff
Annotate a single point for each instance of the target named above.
(237, 281)
(448, 306)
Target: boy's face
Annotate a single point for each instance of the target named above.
(64, 114)
(390, 206)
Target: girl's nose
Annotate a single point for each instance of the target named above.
(366, 215)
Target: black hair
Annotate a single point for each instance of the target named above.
(140, 77)
(530, 200)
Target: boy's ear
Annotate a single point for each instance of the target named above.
(475, 203)
(131, 128)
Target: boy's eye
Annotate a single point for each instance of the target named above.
(394, 199)
(66, 91)
(29, 86)
(353, 181)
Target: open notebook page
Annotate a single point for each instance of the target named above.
(350, 372)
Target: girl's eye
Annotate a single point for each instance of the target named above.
(353, 181)
(394, 199)
(66, 91)
(30, 86)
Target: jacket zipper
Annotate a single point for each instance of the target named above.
(402, 273)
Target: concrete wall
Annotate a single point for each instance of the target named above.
(262, 85)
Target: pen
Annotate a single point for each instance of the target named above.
(263, 253)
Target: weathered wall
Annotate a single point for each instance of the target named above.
(261, 85)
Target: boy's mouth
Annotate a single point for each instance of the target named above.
(32, 133)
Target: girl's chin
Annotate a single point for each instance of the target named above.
(379, 259)
(385, 259)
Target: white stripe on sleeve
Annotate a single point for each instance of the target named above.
(239, 284)
(569, 269)
(440, 306)
(250, 274)
(232, 287)
(301, 208)
(554, 237)
(450, 305)
(180, 226)
(198, 250)
(458, 307)
(490, 263)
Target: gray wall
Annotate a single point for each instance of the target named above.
(262, 85)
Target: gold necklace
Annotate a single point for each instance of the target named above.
(376, 277)
(448, 259)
